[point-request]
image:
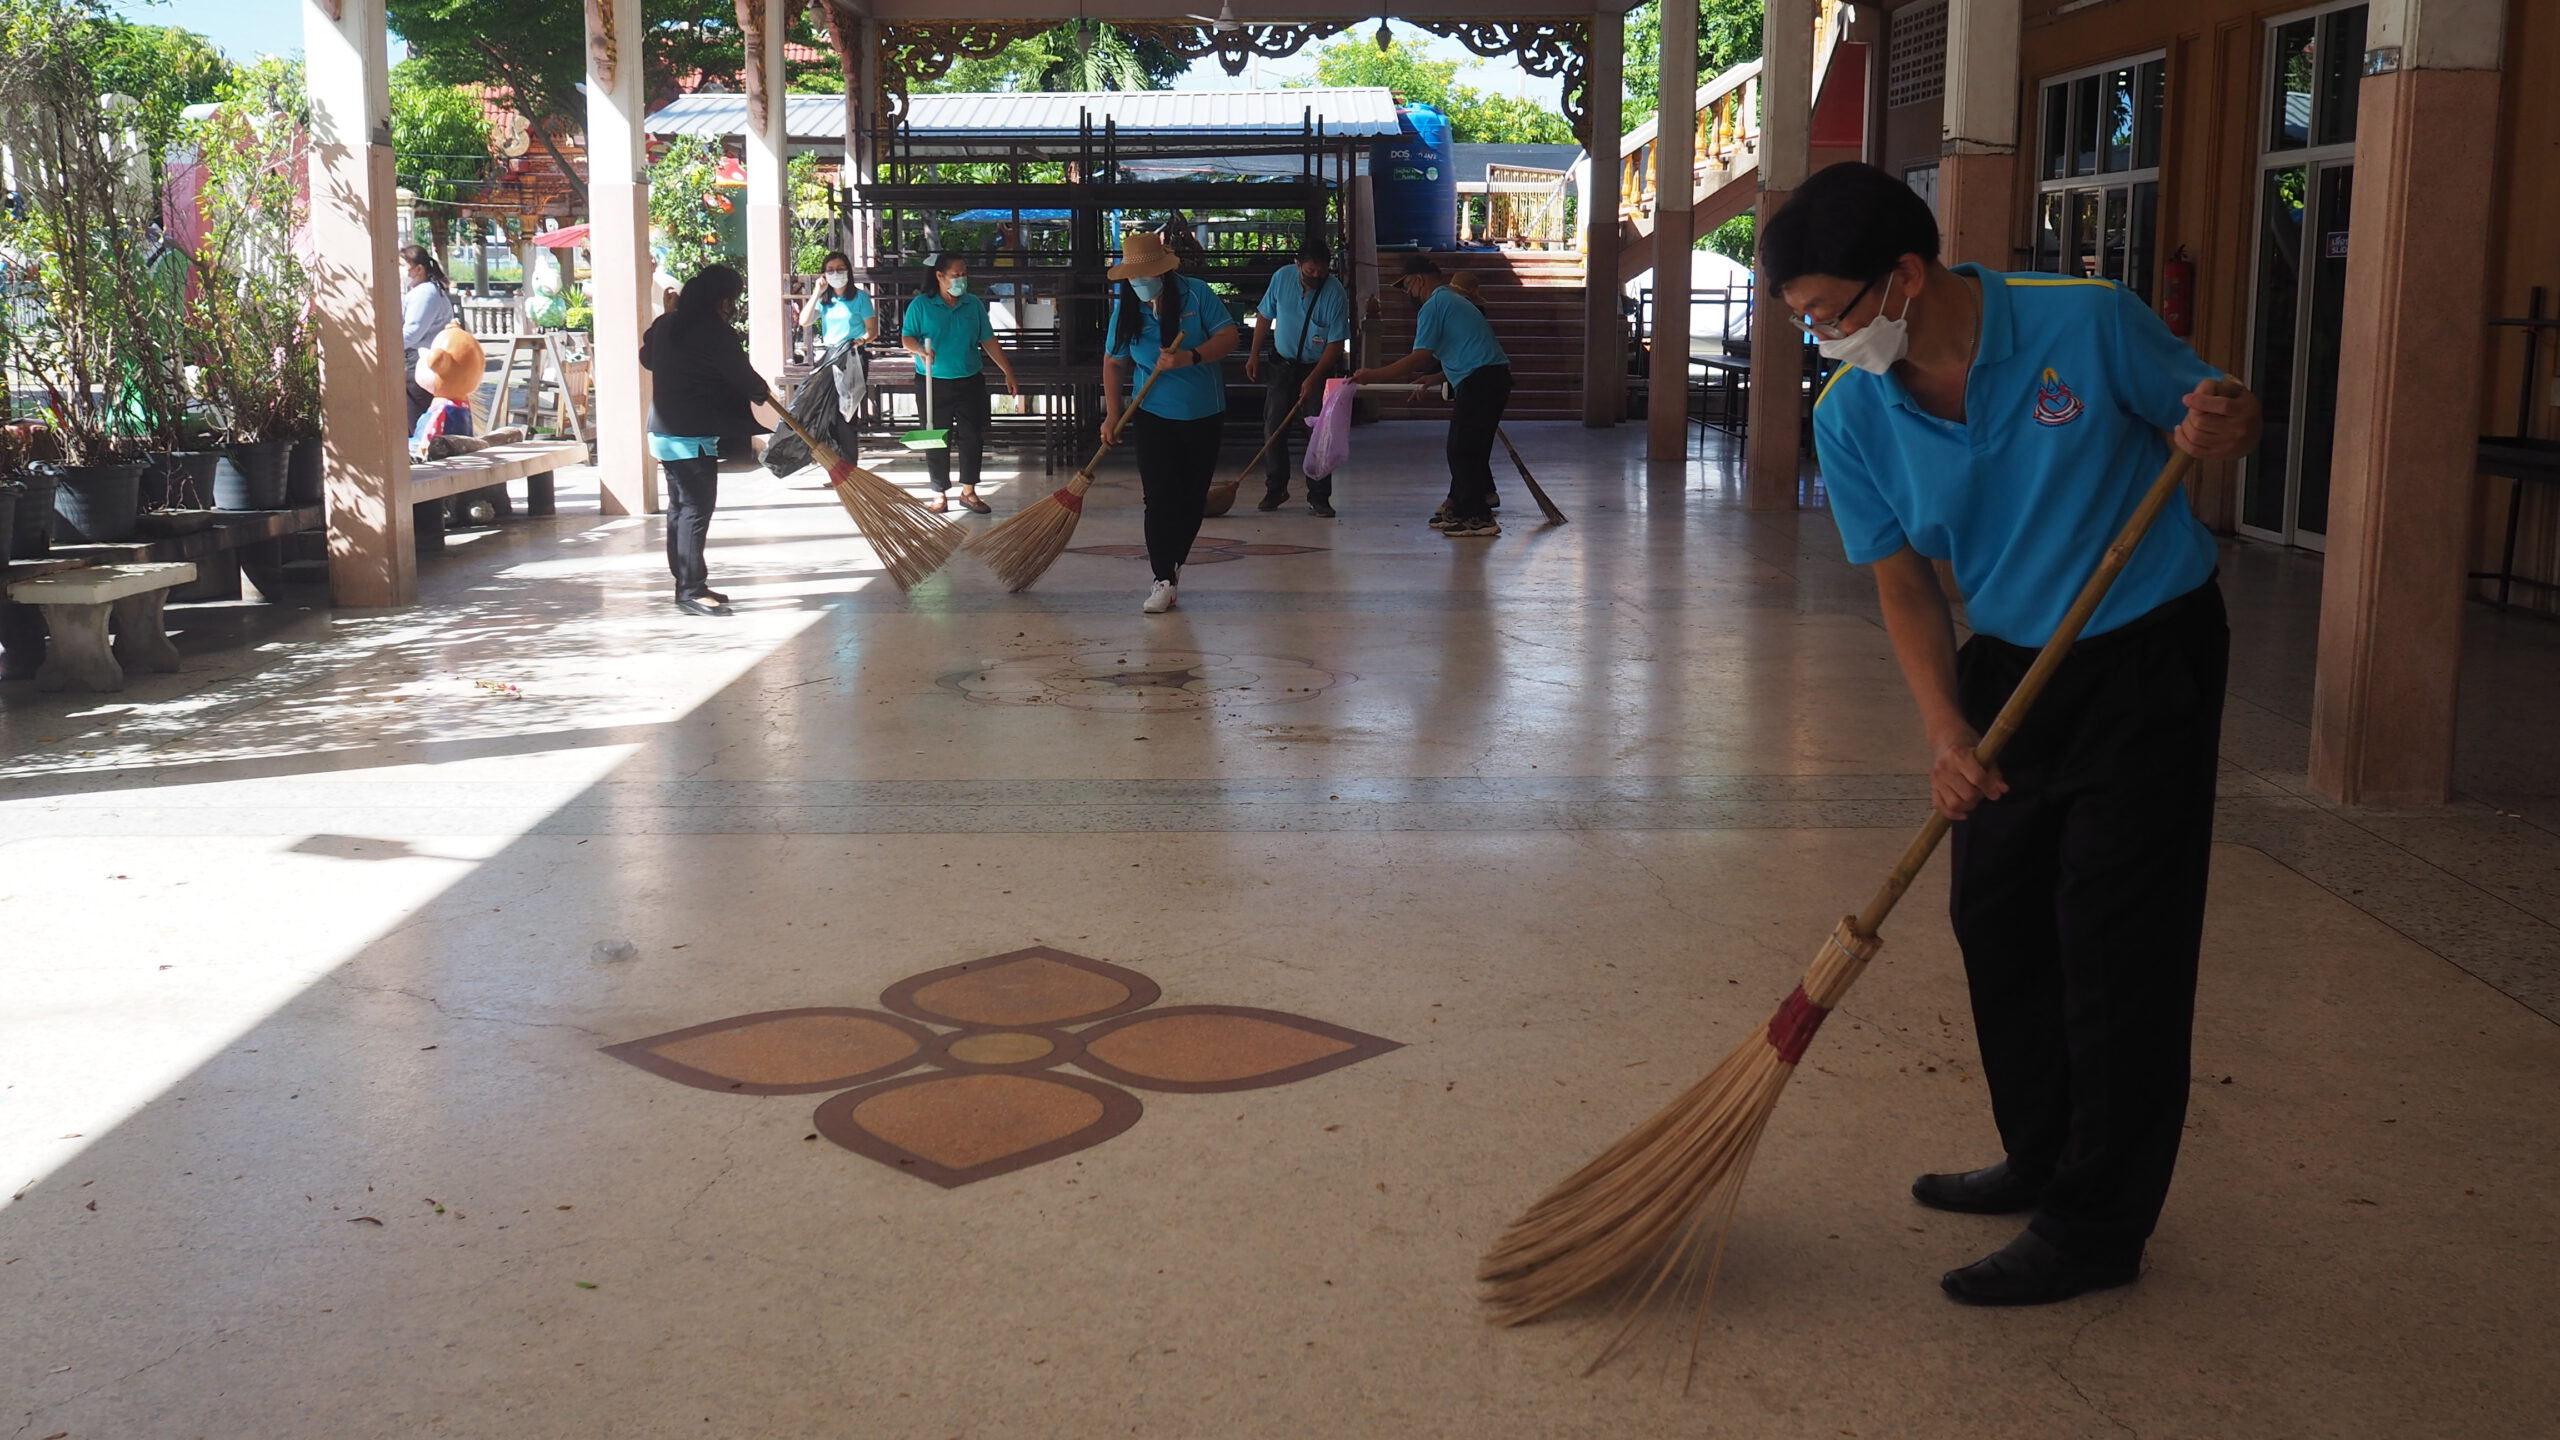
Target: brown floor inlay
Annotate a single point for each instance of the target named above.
(1134, 681)
(992, 1099)
(1206, 550)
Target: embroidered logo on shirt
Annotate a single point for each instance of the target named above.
(2055, 404)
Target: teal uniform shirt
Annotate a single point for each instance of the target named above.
(1193, 392)
(1302, 324)
(953, 330)
(2067, 410)
(1457, 335)
(840, 319)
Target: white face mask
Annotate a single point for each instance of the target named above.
(838, 279)
(1147, 286)
(956, 286)
(1877, 346)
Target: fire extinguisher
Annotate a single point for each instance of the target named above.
(2178, 292)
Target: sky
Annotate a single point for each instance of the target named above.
(244, 29)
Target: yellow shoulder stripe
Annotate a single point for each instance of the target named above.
(1836, 377)
(2058, 280)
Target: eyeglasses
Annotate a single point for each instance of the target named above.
(1830, 329)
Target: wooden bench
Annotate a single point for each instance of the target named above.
(79, 605)
(432, 482)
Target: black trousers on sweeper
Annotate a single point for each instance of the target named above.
(2078, 898)
(1475, 413)
(1177, 462)
(693, 492)
(1279, 397)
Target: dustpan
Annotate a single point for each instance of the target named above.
(927, 438)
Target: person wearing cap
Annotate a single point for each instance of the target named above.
(2008, 424)
(1172, 331)
(1312, 316)
(948, 332)
(1454, 335)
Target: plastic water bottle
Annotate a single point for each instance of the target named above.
(614, 951)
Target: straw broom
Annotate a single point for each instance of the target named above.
(912, 541)
(1537, 491)
(1222, 496)
(1021, 547)
(1657, 1207)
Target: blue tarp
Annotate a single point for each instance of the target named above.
(990, 216)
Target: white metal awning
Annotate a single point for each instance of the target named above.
(1362, 112)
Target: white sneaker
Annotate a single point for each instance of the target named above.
(1160, 599)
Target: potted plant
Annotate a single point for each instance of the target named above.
(249, 321)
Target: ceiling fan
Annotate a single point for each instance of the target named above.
(1222, 23)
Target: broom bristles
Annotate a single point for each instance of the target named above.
(1656, 1208)
(1026, 543)
(911, 541)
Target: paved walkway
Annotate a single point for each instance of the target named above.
(1222, 981)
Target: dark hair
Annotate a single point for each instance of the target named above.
(1314, 250)
(942, 260)
(1850, 221)
(700, 301)
(1168, 307)
(417, 255)
(826, 295)
(1418, 265)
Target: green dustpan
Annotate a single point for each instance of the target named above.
(927, 438)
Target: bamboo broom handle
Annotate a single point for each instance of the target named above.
(2050, 659)
(1267, 440)
(1153, 376)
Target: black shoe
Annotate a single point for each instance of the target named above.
(2030, 1271)
(1992, 1190)
(1273, 499)
(693, 605)
(713, 597)
(1321, 507)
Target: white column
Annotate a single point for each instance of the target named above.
(1978, 147)
(768, 187)
(618, 199)
(373, 558)
(1777, 347)
(1604, 364)
(1674, 231)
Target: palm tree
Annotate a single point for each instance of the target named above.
(1089, 55)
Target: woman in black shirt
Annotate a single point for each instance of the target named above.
(699, 413)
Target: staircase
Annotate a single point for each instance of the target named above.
(1534, 299)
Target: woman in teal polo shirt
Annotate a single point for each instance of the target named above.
(1162, 320)
(2008, 424)
(947, 330)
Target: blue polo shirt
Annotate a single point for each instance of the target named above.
(1457, 335)
(2067, 411)
(954, 330)
(840, 317)
(1192, 392)
(1302, 324)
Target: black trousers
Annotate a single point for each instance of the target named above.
(1475, 413)
(1177, 462)
(959, 406)
(1278, 398)
(693, 492)
(2078, 898)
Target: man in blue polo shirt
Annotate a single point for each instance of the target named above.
(2008, 424)
(1454, 335)
(1305, 305)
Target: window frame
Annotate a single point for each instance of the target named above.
(2055, 102)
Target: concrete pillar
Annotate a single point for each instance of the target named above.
(1675, 197)
(765, 23)
(2400, 500)
(1604, 365)
(1978, 148)
(618, 202)
(373, 559)
(867, 99)
(1365, 280)
(1786, 154)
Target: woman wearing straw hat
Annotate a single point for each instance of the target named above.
(1164, 321)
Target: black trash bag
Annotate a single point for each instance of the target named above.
(817, 403)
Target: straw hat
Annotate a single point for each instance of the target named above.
(1144, 252)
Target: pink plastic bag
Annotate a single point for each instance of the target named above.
(1329, 442)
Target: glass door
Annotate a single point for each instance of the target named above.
(2306, 194)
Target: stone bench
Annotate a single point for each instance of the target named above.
(80, 605)
(225, 547)
(432, 482)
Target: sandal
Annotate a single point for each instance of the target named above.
(938, 504)
(974, 505)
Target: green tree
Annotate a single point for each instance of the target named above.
(163, 68)
(1728, 34)
(1084, 55)
(1734, 240)
(439, 134)
(1474, 116)
(685, 214)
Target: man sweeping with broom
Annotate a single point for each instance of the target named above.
(2008, 424)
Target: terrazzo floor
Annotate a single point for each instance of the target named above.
(321, 960)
